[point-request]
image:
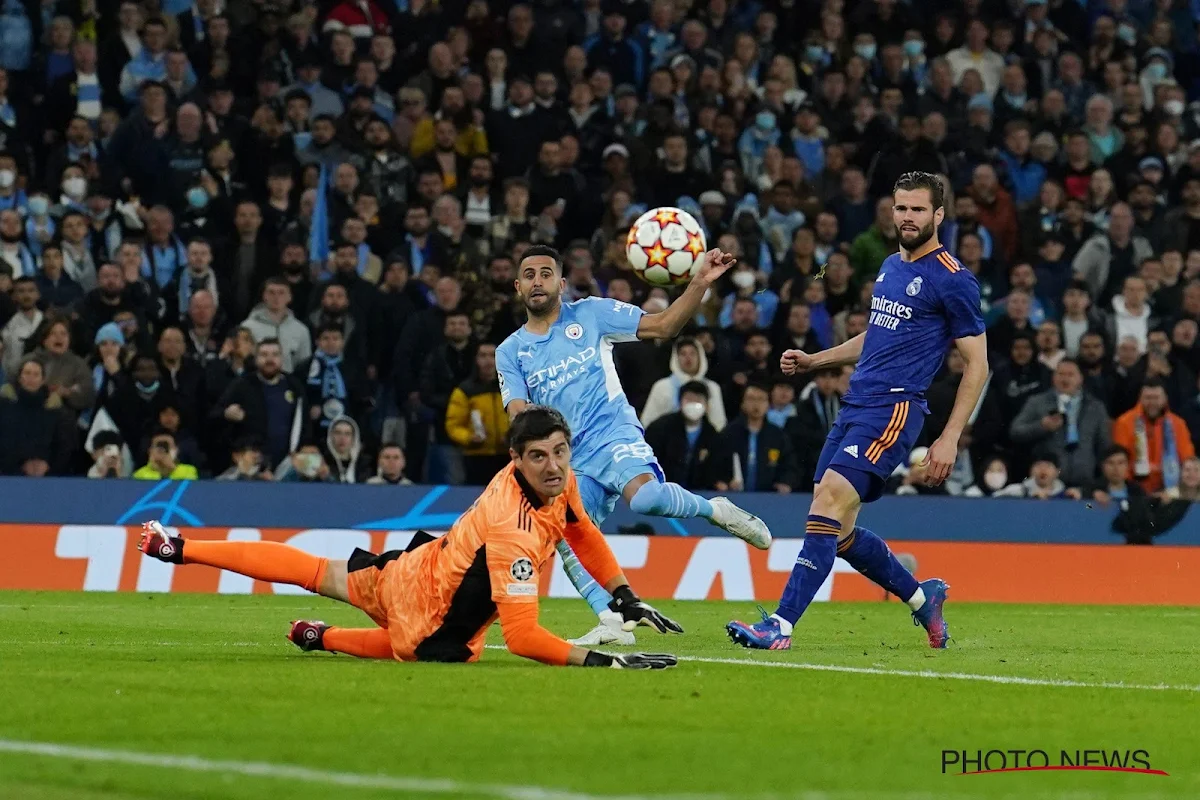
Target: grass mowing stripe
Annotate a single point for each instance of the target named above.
(259, 769)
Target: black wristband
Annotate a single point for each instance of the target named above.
(594, 659)
(623, 597)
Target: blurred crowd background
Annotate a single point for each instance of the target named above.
(273, 240)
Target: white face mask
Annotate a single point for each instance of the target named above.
(310, 464)
(7, 178)
(74, 187)
(743, 279)
(1173, 107)
(693, 412)
(995, 479)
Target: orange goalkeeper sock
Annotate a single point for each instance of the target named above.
(263, 561)
(358, 642)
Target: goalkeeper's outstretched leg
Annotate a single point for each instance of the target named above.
(278, 563)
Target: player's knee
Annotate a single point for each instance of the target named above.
(835, 497)
(334, 583)
(651, 498)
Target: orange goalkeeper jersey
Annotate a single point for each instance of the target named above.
(438, 600)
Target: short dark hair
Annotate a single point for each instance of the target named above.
(693, 387)
(1154, 383)
(911, 181)
(544, 250)
(330, 327)
(267, 341)
(245, 443)
(534, 423)
(1114, 450)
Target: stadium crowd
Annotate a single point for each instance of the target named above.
(276, 239)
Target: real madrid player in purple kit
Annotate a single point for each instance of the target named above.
(924, 300)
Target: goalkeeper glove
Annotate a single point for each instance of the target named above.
(635, 611)
(630, 660)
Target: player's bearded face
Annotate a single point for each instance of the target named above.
(913, 236)
(540, 295)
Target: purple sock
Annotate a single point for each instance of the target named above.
(813, 566)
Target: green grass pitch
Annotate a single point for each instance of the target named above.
(144, 679)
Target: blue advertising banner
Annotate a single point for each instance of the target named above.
(292, 505)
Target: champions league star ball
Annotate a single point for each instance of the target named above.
(666, 246)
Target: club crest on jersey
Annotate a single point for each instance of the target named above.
(913, 288)
(521, 569)
(574, 331)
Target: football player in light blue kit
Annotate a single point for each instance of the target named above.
(563, 358)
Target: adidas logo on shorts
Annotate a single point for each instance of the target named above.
(852, 450)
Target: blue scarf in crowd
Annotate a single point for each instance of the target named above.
(328, 378)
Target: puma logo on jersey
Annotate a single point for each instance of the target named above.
(852, 450)
(524, 354)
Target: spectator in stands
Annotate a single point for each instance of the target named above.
(56, 288)
(1113, 484)
(446, 367)
(183, 376)
(1157, 439)
(265, 403)
(23, 324)
(1067, 423)
(247, 462)
(685, 441)
(37, 435)
(817, 410)
(1131, 314)
(306, 465)
(344, 452)
(688, 363)
(476, 420)
(1043, 482)
(334, 386)
(1189, 481)
(164, 462)
(1108, 257)
(66, 374)
(754, 455)
(108, 461)
(272, 319)
(390, 467)
(1019, 378)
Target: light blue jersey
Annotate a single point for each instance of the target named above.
(571, 369)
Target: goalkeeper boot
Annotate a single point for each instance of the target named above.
(765, 635)
(929, 616)
(157, 543)
(741, 523)
(308, 635)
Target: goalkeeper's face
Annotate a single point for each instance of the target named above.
(544, 464)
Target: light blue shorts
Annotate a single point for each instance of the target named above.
(604, 474)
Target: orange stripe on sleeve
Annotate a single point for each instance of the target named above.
(948, 261)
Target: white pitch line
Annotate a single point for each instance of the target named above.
(956, 676)
(261, 769)
(927, 673)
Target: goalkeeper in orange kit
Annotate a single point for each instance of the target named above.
(436, 600)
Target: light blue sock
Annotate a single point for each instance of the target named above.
(669, 500)
(582, 580)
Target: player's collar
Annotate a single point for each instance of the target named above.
(531, 496)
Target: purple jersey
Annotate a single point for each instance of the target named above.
(918, 309)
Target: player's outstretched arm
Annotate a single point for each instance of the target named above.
(525, 637)
(667, 324)
(593, 552)
(944, 452)
(795, 362)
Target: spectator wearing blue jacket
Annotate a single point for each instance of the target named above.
(657, 35)
(755, 140)
(807, 140)
(150, 64)
(623, 58)
(1019, 172)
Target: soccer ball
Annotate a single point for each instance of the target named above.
(666, 246)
